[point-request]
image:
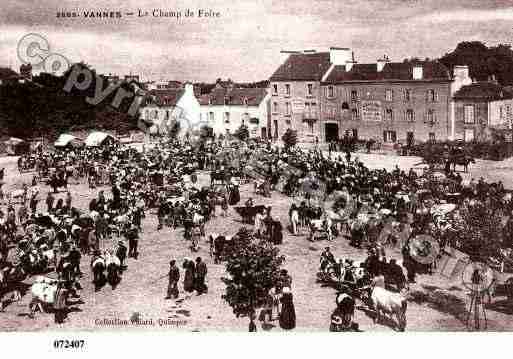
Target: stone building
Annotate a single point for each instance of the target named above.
(327, 94)
(480, 108)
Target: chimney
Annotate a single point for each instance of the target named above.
(341, 56)
(349, 64)
(380, 63)
(284, 55)
(418, 72)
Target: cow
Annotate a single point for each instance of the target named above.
(391, 303)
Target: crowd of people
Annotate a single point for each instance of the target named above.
(332, 197)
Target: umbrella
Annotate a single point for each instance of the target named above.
(424, 249)
(443, 209)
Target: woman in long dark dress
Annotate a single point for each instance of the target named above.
(188, 280)
(288, 312)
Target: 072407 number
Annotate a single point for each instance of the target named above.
(68, 344)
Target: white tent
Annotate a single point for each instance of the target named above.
(97, 138)
(66, 139)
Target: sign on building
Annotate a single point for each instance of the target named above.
(371, 111)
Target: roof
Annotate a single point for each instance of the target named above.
(303, 67)
(399, 71)
(485, 91)
(167, 97)
(8, 74)
(234, 96)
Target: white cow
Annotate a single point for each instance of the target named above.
(391, 303)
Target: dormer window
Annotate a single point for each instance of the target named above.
(287, 90)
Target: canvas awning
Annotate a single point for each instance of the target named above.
(66, 139)
(97, 138)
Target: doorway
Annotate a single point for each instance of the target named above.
(331, 131)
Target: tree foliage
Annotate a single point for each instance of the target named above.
(289, 138)
(254, 268)
(478, 232)
(43, 108)
(483, 61)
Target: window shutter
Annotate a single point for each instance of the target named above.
(427, 96)
(405, 115)
(384, 136)
(394, 136)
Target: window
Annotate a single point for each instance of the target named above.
(245, 101)
(389, 136)
(354, 96)
(389, 95)
(211, 116)
(309, 89)
(410, 115)
(275, 107)
(501, 112)
(431, 96)
(432, 137)
(226, 100)
(469, 114)
(287, 89)
(311, 126)
(407, 95)
(155, 114)
(431, 118)
(354, 114)
(287, 109)
(330, 92)
(227, 117)
(468, 135)
(275, 89)
(389, 115)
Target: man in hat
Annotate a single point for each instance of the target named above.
(60, 305)
(133, 238)
(50, 199)
(200, 276)
(174, 277)
(121, 252)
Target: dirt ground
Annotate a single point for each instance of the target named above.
(143, 287)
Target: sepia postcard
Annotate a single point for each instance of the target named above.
(255, 166)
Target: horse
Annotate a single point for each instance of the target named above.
(17, 195)
(386, 302)
(464, 161)
(43, 293)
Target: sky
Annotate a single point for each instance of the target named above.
(244, 43)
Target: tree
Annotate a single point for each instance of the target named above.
(289, 138)
(483, 61)
(253, 268)
(242, 133)
(478, 232)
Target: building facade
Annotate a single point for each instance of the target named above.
(295, 94)
(481, 107)
(225, 109)
(327, 95)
